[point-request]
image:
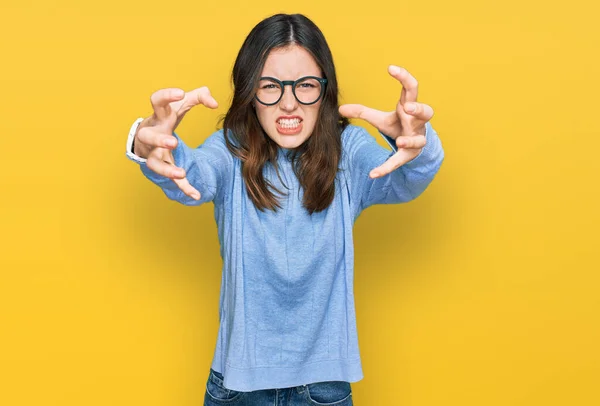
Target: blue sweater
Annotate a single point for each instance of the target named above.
(286, 308)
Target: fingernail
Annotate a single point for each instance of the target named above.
(394, 69)
(177, 93)
(411, 107)
(196, 196)
(171, 142)
(374, 174)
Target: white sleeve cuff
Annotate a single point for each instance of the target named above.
(129, 147)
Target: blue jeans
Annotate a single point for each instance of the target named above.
(331, 393)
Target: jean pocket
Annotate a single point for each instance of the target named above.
(329, 393)
(217, 392)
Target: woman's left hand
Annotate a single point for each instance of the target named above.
(406, 124)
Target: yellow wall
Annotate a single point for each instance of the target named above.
(484, 291)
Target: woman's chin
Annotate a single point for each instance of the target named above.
(289, 144)
(289, 141)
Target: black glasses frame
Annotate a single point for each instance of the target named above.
(292, 83)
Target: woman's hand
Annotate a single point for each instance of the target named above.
(154, 138)
(405, 125)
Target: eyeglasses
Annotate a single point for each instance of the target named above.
(307, 90)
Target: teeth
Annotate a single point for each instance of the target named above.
(285, 123)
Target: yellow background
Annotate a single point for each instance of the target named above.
(483, 291)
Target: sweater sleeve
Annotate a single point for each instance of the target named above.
(208, 168)
(406, 183)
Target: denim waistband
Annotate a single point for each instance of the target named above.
(217, 378)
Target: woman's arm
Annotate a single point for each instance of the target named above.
(381, 176)
(164, 157)
(402, 184)
(208, 169)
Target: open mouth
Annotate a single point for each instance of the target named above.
(289, 123)
(289, 126)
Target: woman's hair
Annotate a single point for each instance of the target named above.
(315, 162)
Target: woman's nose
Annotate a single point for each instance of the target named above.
(288, 100)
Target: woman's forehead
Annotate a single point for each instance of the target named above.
(290, 63)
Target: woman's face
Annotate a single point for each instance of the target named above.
(288, 122)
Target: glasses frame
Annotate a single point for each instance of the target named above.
(292, 83)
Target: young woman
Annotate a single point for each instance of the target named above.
(288, 176)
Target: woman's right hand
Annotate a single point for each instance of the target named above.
(154, 138)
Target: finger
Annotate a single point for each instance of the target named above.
(420, 110)
(161, 166)
(193, 98)
(372, 116)
(395, 161)
(161, 98)
(162, 163)
(153, 138)
(411, 142)
(202, 96)
(186, 188)
(409, 83)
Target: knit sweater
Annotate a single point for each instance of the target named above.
(286, 308)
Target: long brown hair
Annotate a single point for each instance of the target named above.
(316, 161)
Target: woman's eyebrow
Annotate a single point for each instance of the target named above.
(299, 77)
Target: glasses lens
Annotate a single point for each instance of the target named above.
(308, 90)
(268, 91)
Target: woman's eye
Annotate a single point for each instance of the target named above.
(269, 86)
(306, 85)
